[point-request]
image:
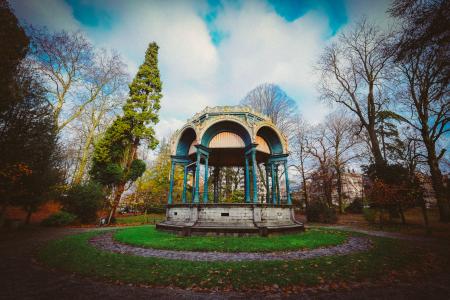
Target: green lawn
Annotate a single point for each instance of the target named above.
(140, 219)
(148, 236)
(74, 254)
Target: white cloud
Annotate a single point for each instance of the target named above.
(54, 14)
(166, 127)
(263, 47)
(187, 58)
(260, 47)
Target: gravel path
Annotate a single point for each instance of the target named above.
(106, 242)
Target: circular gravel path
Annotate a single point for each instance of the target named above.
(106, 242)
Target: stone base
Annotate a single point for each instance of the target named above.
(230, 219)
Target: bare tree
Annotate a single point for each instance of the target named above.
(354, 72)
(320, 150)
(74, 72)
(341, 135)
(299, 146)
(426, 100)
(272, 101)
(98, 114)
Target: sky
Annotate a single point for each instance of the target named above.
(213, 52)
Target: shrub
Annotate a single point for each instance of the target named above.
(153, 208)
(237, 196)
(318, 211)
(370, 215)
(355, 207)
(156, 209)
(61, 218)
(84, 200)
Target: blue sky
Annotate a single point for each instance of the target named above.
(213, 52)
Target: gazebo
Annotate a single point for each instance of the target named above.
(230, 136)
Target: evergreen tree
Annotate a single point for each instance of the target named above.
(115, 161)
(29, 152)
(29, 156)
(13, 48)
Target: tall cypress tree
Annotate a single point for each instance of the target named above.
(115, 161)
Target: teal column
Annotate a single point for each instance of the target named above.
(254, 170)
(277, 184)
(193, 185)
(205, 184)
(286, 177)
(247, 181)
(267, 184)
(274, 188)
(172, 173)
(197, 178)
(184, 184)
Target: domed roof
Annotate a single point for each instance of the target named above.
(226, 131)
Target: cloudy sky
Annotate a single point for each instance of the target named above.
(212, 52)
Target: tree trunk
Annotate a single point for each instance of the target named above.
(261, 175)
(120, 188)
(339, 189)
(216, 184)
(371, 116)
(375, 147)
(437, 180)
(28, 218)
(425, 216)
(305, 190)
(84, 158)
(227, 184)
(117, 195)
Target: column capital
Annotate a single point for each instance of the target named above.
(250, 148)
(203, 149)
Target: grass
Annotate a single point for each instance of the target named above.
(140, 219)
(148, 236)
(414, 226)
(74, 254)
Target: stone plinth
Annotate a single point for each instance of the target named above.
(229, 219)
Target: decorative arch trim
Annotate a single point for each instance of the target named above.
(187, 136)
(273, 138)
(225, 125)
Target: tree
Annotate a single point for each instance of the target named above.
(14, 48)
(391, 190)
(341, 135)
(424, 23)
(353, 74)
(388, 132)
(97, 114)
(271, 100)
(75, 73)
(115, 161)
(422, 56)
(153, 186)
(300, 150)
(84, 200)
(30, 159)
(63, 59)
(321, 151)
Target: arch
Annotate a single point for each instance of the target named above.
(225, 126)
(262, 145)
(226, 139)
(272, 138)
(187, 137)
